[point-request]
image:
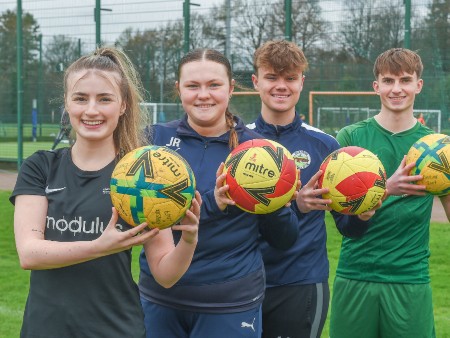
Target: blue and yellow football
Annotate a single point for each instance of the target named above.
(152, 184)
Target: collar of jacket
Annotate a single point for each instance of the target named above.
(276, 129)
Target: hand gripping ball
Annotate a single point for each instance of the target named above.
(432, 156)
(262, 176)
(356, 179)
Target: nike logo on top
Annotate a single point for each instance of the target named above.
(49, 191)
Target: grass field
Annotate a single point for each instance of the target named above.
(14, 281)
(43, 130)
(8, 140)
(8, 150)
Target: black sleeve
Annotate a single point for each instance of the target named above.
(350, 226)
(32, 176)
(280, 228)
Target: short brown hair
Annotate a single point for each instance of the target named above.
(397, 61)
(283, 56)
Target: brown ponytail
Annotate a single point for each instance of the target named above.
(234, 140)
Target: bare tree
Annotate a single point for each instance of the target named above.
(208, 31)
(308, 25)
(437, 32)
(389, 22)
(374, 26)
(253, 23)
(8, 64)
(60, 52)
(356, 32)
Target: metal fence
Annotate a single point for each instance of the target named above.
(341, 40)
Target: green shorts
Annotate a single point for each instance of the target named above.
(381, 310)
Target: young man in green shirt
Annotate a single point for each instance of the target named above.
(382, 286)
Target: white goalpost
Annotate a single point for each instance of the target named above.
(152, 110)
(328, 118)
(432, 118)
(346, 115)
(333, 118)
(163, 112)
(312, 94)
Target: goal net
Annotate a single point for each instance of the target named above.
(163, 112)
(151, 109)
(331, 111)
(432, 117)
(246, 105)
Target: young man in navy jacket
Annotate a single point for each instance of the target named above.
(297, 291)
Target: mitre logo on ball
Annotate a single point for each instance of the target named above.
(261, 175)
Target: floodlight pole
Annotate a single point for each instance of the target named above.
(187, 22)
(228, 30)
(288, 20)
(40, 101)
(19, 60)
(407, 38)
(97, 19)
(79, 48)
(161, 75)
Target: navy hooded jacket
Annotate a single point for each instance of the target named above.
(306, 261)
(227, 272)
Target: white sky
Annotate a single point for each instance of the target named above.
(76, 18)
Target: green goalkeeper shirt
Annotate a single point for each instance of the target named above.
(395, 248)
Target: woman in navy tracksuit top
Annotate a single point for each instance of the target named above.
(221, 293)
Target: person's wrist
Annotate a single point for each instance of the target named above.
(191, 241)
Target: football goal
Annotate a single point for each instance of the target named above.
(152, 110)
(246, 105)
(331, 111)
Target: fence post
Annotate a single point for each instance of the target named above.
(19, 85)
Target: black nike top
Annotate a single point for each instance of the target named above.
(97, 298)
